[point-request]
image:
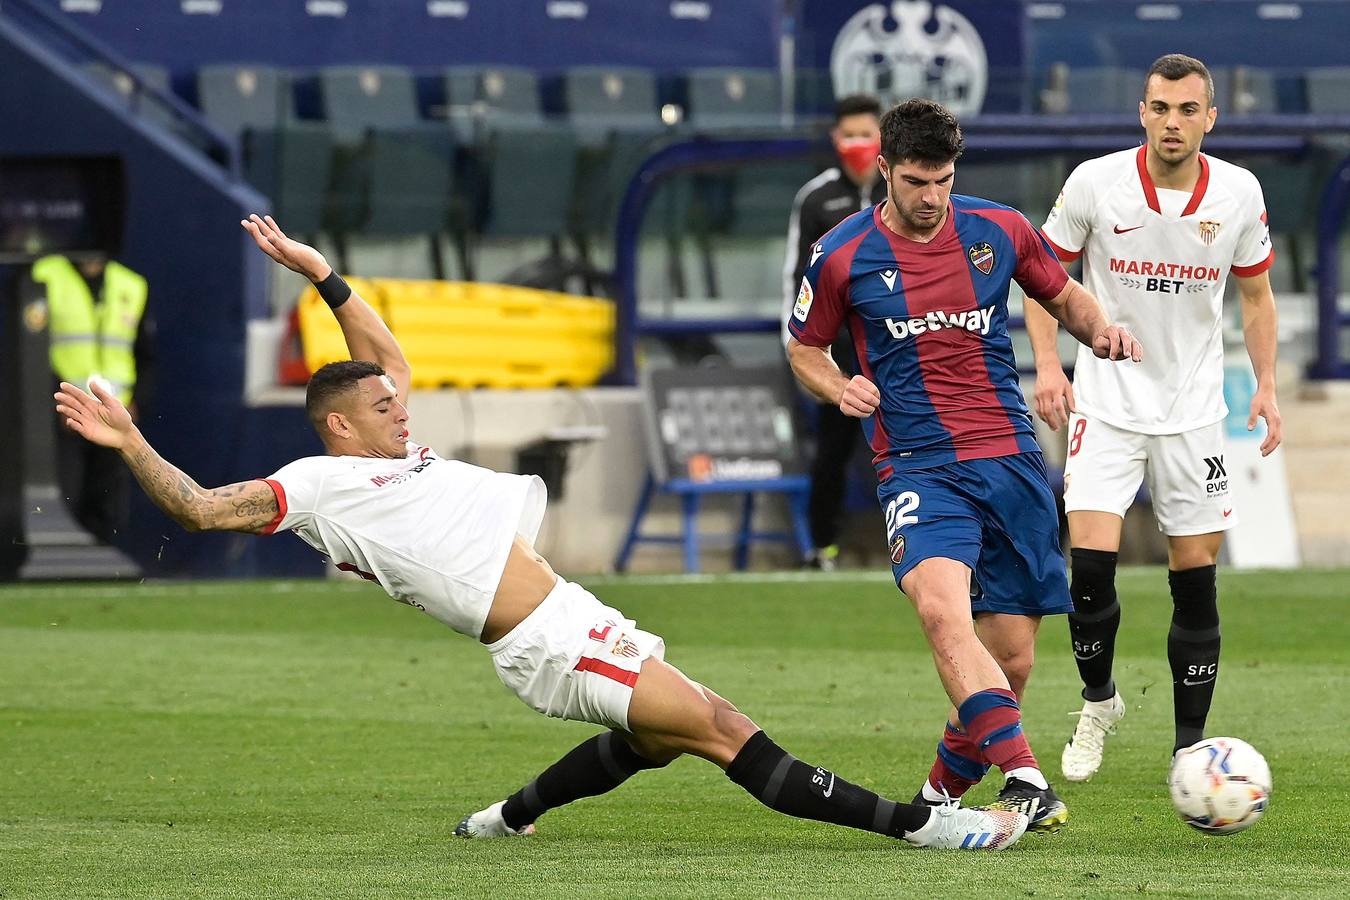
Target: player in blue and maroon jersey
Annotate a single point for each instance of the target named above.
(921, 280)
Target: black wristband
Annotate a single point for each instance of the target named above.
(333, 290)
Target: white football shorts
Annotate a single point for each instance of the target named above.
(575, 658)
(1186, 473)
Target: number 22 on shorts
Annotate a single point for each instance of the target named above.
(898, 512)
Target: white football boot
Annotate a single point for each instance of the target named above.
(488, 823)
(1083, 754)
(953, 828)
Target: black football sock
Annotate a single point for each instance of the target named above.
(593, 767)
(1094, 620)
(1193, 649)
(787, 785)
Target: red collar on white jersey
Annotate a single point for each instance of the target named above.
(1151, 191)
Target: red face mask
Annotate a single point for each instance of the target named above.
(859, 155)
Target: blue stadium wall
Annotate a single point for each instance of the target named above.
(1019, 38)
(206, 281)
(538, 34)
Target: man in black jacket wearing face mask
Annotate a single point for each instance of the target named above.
(822, 203)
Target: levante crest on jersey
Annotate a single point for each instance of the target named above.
(982, 257)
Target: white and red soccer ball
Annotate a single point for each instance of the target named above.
(1220, 785)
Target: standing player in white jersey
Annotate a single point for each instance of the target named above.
(1159, 229)
(454, 541)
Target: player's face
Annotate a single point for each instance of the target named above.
(374, 422)
(857, 140)
(919, 192)
(1176, 116)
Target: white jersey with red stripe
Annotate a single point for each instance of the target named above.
(1158, 261)
(435, 533)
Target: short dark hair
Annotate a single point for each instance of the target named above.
(856, 105)
(331, 382)
(1176, 66)
(922, 131)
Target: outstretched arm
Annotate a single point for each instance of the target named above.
(366, 334)
(249, 506)
(1082, 316)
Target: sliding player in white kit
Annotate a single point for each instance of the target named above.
(454, 541)
(1159, 229)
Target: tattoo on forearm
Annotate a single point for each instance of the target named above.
(170, 489)
(259, 509)
(247, 506)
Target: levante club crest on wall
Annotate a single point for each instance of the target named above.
(982, 257)
(911, 48)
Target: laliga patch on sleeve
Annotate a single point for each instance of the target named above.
(804, 298)
(1057, 208)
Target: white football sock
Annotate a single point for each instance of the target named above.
(1030, 775)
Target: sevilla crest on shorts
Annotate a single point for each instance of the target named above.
(982, 257)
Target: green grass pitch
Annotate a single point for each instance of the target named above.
(279, 739)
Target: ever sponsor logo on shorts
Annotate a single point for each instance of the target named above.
(1216, 477)
(804, 298)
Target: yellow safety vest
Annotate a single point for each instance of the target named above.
(89, 338)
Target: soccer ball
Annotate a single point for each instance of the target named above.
(1220, 785)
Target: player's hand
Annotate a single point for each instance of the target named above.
(860, 398)
(292, 254)
(1115, 343)
(1054, 396)
(1263, 406)
(100, 419)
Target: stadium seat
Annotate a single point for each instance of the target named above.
(531, 174)
(603, 176)
(1029, 185)
(239, 98)
(1242, 90)
(1328, 89)
(410, 182)
(1104, 89)
(762, 197)
(359, 98)
(1290, 188)
(292, 164)
(123, 85)
(724, 98)
(364, 104)
(813, 94)
(602, 99)
(479, 97)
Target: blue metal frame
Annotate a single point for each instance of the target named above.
(795, 488)
(1331, 321)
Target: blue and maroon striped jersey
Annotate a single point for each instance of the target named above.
(930, 324)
